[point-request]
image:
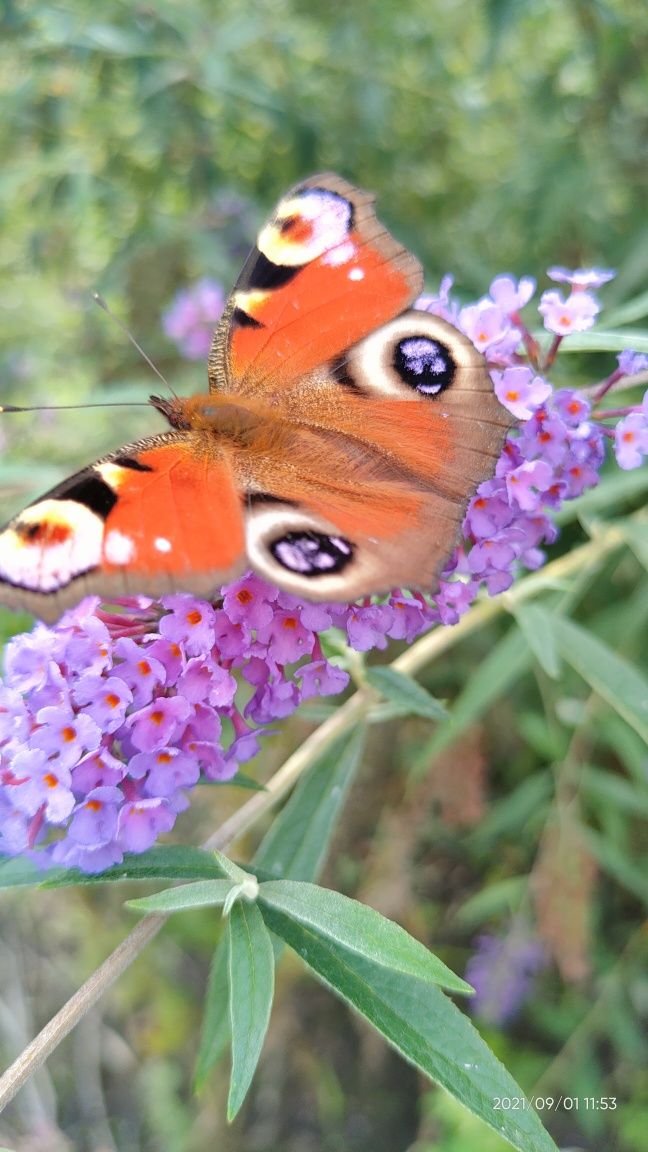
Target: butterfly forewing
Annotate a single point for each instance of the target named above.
(324, 273)
(154, 516)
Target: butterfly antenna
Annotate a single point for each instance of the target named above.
(4, 408)
(98, 299)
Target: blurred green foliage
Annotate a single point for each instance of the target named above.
(141, 144)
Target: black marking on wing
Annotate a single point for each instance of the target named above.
(254, 498)
(312, 554)
(342, 375)
(240, 319)
(424, 364)
(89, 489)
(263, 273)
(131, 462)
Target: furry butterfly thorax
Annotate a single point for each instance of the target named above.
(341, 439)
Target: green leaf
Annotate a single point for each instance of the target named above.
(336, 918)
(539, 636)
(491, 678)
(232, 871)
(216, 1031)
(238, 781)
(19, 872)
(170, 862)
(407, 694)
(607, 340)
(201, 894)
(615, 679)
(526, 803)
(612, 860)
(297, 842)
(614, 489)
(295, 846)
(500, 898)
(609, 788)
(251, 981)
(426, 1028)
(637, 535)
(628, 312)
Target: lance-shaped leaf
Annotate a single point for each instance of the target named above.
(201, 894)
(408, 695)
(295, 846)
(354, 926)
(162, 862)
(427, 1029)
(251, 983)
(622, 685)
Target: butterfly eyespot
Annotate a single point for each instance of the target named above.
(415, 354)
(312, 553)
(424, 364)
(308, 224)
(297, 228)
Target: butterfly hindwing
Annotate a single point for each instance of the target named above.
(154, 516)
(371, 492)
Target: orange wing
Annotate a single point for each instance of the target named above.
(323, 275)
(159, 514)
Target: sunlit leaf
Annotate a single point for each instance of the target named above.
(251, 981)
(354, 926)
(421, 1023)
(614, 678)
(201, 894)
(406, 693)
(540, 637)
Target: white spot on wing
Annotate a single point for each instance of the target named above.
(327, 212)
(68, 543)
(356, 274)
(162, 544)
(341, 254)
(118, 549)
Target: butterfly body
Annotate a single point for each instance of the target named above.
(335, 452)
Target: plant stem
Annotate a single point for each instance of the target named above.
(349, 714)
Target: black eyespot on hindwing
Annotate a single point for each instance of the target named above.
(312, 553)
(425, 364)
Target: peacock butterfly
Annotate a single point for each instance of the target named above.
(335, 453)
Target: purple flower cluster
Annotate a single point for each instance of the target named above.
(108, 719)
(191, 318)
(502, 971)
(111, 716)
